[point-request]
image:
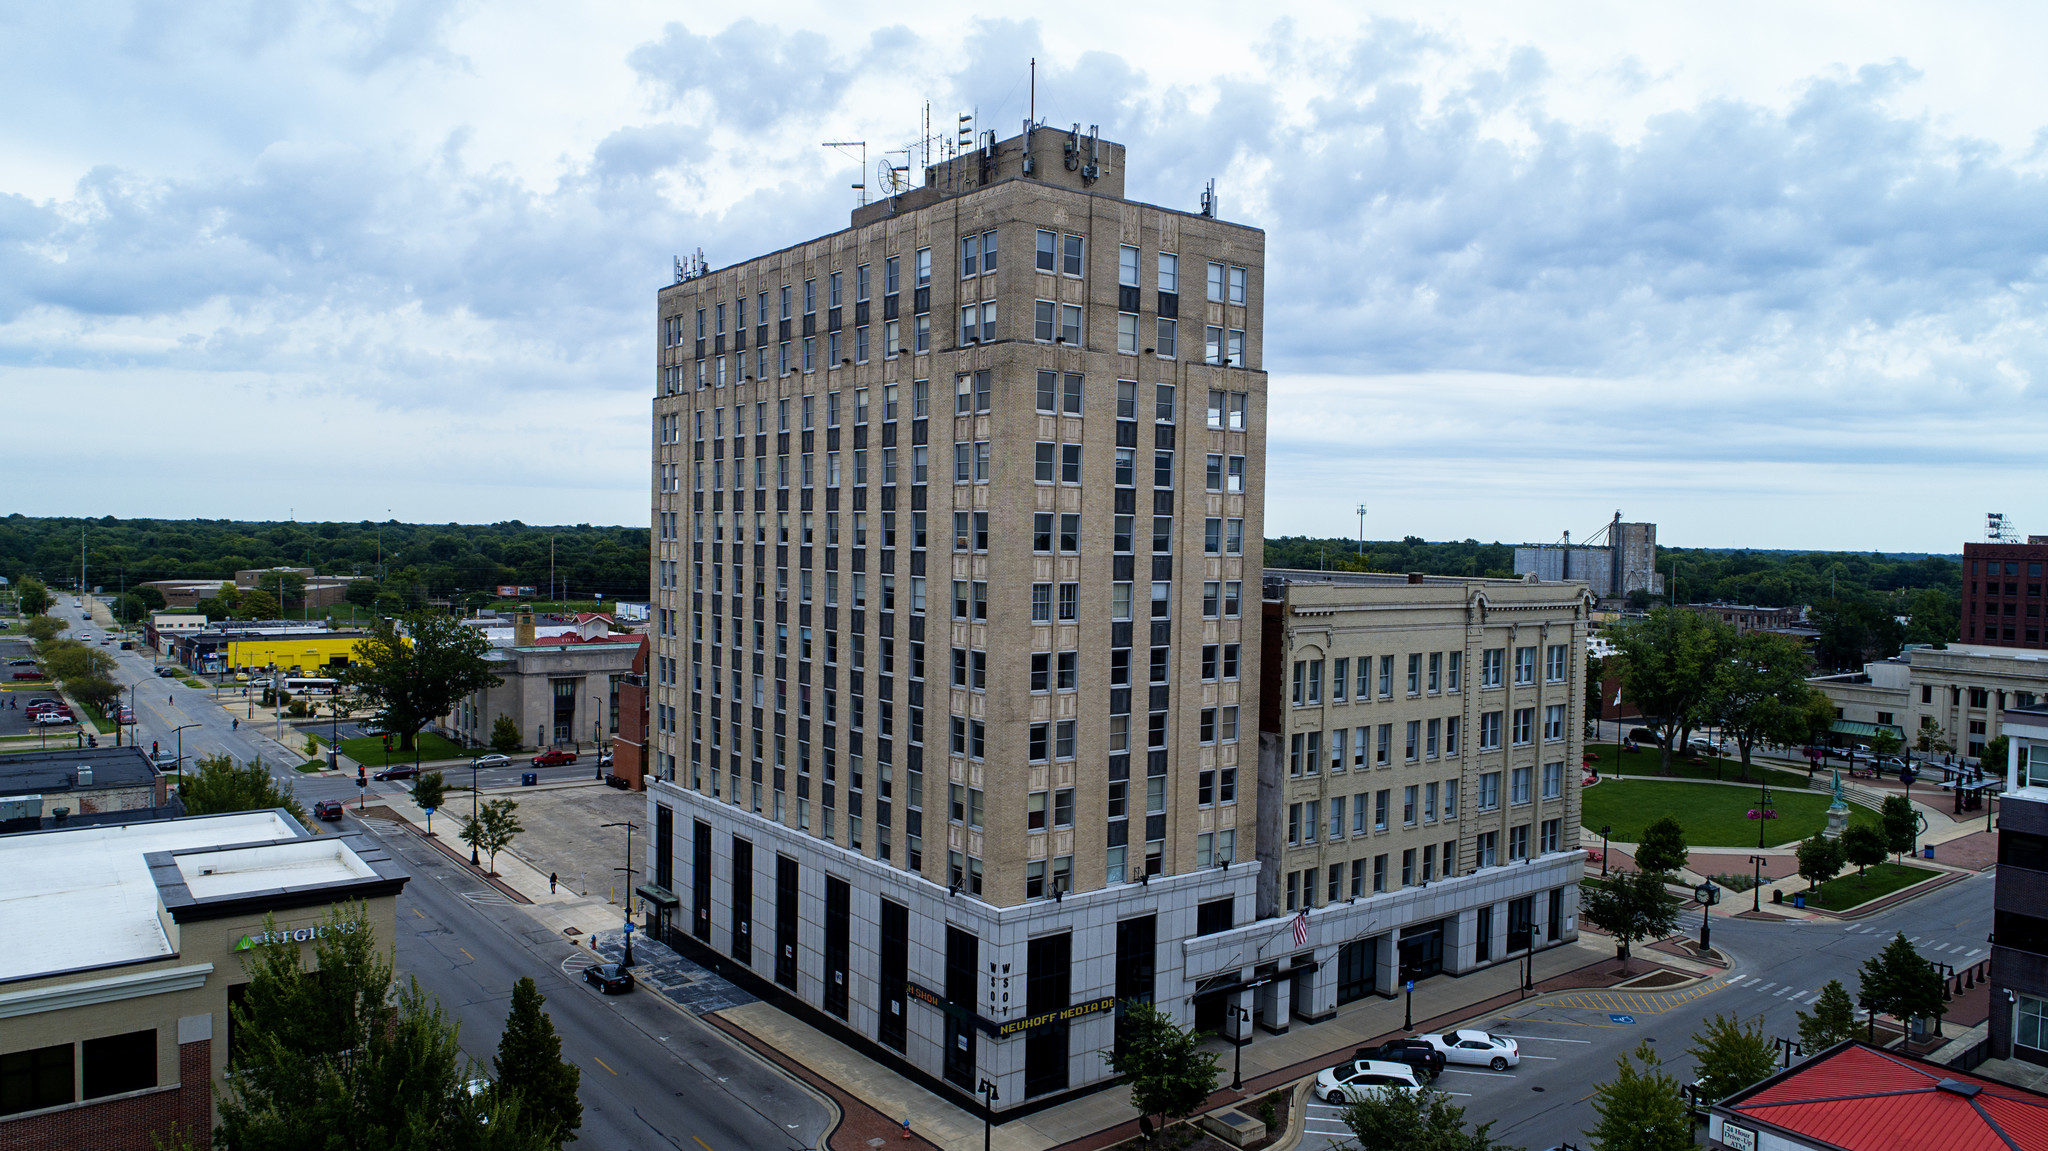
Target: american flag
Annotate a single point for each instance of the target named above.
(1301, 928)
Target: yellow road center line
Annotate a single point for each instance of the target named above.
(418, 912)
(701, 1143)
(608, 1067)
(465, 951)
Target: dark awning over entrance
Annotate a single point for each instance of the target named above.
(658, 895)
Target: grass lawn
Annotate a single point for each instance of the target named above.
(369, 750)
(201, 684)
(1712, 816)
(94, 721)
(1729, 769)
(1846, 891)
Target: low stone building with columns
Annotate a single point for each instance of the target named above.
(1420, 759)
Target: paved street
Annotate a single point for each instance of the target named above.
(652, 1075)
(1570, 1041)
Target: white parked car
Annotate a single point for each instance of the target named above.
(1477, 1048)
(493, 760)
(1358, 1079)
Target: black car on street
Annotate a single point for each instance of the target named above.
(610, 978)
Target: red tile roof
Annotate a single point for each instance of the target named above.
(1862, 1099)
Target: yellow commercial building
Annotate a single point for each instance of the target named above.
(293, 652)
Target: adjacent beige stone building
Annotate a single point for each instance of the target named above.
(957, 513)
(1419, 787)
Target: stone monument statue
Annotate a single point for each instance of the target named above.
(1838, 810)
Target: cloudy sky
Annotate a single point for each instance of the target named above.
(1766, 274)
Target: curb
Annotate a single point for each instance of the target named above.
(384, 812)
(1887, 902)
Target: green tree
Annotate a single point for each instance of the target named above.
(362, 593)
(221, 604)
(492, 828)
(1931, 737)
(129, 608)
(1820, 859)
(529, 1061)
(219, 785)
(70, 660)
(429, 790)
(504, 735)
(95, 692)
(338, 1056)
(1729, 1057)
(1863, 845)
(1667, 668)
(1423, 1120)
(1833, 1019)
(1820, 715)
(1168, 1072)
(1663, 847)
(1996, 751)
(33, 598)
(1641, 1108)
(1901, 824)
(258, 603)
(1631, 908)
(1900, 983)
(152, 598)
(43, 628)
(1886, 742)
(417, 674)
(1759, 693)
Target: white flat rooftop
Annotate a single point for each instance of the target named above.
(296, 863)
(85, 897)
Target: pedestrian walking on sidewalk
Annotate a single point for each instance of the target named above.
(551, 883)
(238, 724)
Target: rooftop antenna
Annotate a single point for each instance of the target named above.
(1361, 531)
(1034, 89)
(843, 145)
(1209, 199)
(1998, 529)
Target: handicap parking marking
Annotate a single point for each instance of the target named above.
(1621, 1018)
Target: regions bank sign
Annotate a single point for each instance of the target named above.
(287, 935)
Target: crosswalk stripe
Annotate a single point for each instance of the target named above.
(1781, 992)
(1975, 951)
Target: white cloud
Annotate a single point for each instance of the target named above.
(1523, 265)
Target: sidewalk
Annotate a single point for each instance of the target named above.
(876, 1099)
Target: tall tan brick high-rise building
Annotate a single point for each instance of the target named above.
(957, 563)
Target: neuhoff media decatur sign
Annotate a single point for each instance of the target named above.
(1014, 1026)
(288, 935)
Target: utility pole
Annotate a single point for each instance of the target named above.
(1361, 531)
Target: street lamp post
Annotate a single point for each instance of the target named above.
(1604, 850)
(473, 860)
(179, 731)
(630, 827)
(988, 1106)
(1756, 887)
(1763, 809)
(1244, 1022)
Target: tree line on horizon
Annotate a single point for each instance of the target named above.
(420, 562)
(1865, 605)
(1857, 598)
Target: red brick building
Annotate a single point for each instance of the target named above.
(2002, 593)
(629, 746)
